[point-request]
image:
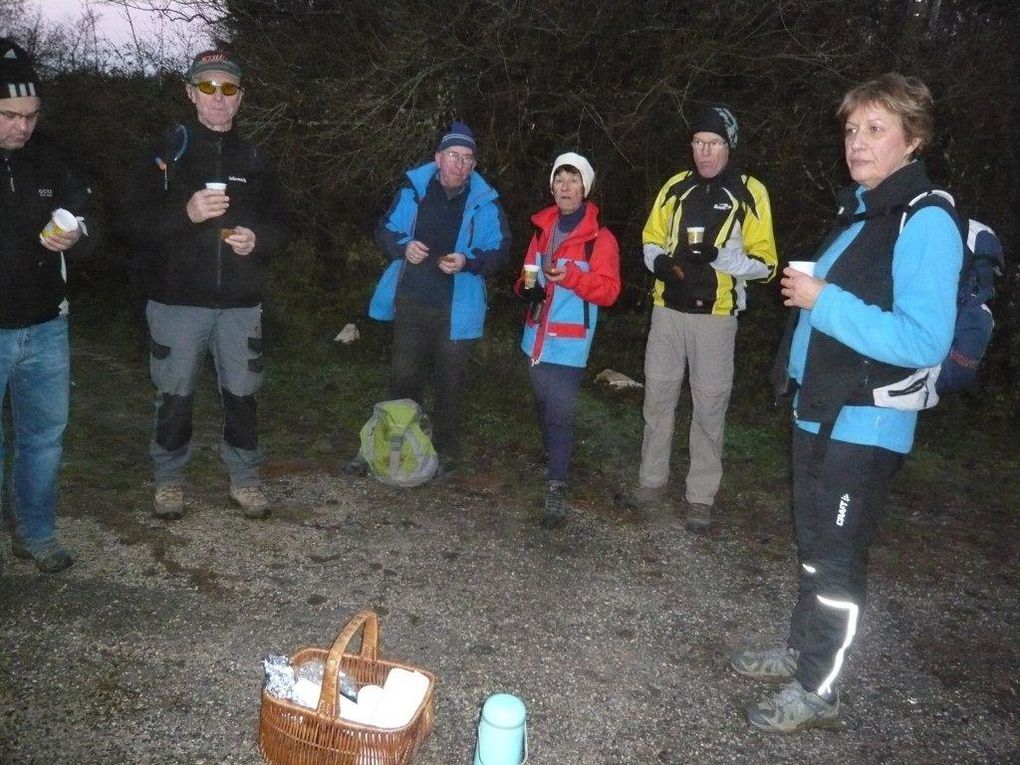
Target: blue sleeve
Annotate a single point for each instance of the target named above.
(490, 248)
(396, 226)
(918, 331)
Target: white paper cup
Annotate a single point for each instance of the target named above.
(530, 275)
(695, 234)
(216, 186)
(61, 222)
(804, 266)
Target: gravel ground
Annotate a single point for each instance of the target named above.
(613, 631)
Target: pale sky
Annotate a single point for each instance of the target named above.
(114, 24)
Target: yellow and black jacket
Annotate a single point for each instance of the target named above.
(735, 212)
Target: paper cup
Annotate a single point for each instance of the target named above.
(695, 234)
(61, 222)
(216, 186)
(804, 266)
(530, 275)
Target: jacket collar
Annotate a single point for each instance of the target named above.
(478, 190)
(198, 130)
(898, 188)
(586, 228)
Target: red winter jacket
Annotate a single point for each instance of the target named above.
(562, 331)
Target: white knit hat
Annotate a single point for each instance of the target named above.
(583, 166)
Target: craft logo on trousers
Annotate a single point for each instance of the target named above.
(844, 504)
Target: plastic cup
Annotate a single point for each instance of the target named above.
(695, 234)
(216, 186)
(530, 275)
(804, 266)
(61, 222)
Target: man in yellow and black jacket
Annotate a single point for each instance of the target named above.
(709, 233)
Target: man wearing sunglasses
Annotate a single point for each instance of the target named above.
(207, 211)
(444, 233)
(36, 178)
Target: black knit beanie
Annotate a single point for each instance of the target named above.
(718, 119)
(17, 77)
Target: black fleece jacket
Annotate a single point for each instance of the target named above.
(34, 181)
(187, 263)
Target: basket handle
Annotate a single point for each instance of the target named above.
(366, 622)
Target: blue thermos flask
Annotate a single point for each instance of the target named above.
(502, 731)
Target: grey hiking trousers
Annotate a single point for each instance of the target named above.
(180, 338)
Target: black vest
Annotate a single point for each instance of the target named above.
(834, 374)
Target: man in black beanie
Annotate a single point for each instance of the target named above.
(37, 183)
(708, 234)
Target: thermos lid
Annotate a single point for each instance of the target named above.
(504, 710)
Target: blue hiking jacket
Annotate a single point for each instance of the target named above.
(484, 238)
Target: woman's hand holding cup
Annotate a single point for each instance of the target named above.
(799, 288)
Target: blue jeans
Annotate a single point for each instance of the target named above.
(35, 367)
(556, 387)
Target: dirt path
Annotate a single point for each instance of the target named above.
(613, 632)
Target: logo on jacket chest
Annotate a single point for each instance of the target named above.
(46, 193)
(722, 206)
(237, 179)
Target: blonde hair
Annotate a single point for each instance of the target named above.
(906, 97)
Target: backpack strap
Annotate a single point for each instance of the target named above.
(933, 198)
(174, 145)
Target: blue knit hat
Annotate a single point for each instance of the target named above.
(459, 134)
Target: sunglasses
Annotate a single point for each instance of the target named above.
(226, 88)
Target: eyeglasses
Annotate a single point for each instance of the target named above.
(697, 144)
(226, 88)
(458, 158)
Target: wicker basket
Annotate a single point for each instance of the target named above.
(290, 734)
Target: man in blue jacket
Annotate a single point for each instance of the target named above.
(36, 178)
(444, 233)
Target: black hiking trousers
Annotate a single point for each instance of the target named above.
(839, 498)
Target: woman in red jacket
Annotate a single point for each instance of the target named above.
(578, 270)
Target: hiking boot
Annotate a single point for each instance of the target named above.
(446, 468)
(776, 663)
(252, 501)
(168, 504)
(356, 467)
(50, 558)
(792, 709)
(699, 516)
(556, 507)
(643, 497)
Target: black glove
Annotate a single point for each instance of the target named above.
(702, 252)
(533, 294)
(662, 266)
(668, 269)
